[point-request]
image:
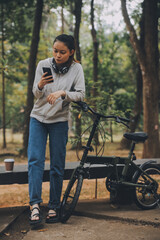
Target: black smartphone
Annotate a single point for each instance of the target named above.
(48, 70)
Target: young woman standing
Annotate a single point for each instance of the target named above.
(49, 116)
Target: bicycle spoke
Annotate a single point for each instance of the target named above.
(71, 197)
(147, 197)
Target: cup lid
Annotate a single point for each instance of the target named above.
(9, 160)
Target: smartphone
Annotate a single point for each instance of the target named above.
(48, 70)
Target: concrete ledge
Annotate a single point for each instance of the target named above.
(20, 172)
(95, 209)
(102, 209)
(9, 215)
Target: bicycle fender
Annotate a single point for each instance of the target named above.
(141, 167)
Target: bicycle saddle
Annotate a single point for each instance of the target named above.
(137, 136)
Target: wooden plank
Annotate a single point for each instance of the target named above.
(20, 173)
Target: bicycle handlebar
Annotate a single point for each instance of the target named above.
(86, 108)
(83, 105)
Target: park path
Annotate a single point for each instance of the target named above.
(93, 220)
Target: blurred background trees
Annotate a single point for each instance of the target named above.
(114, 59)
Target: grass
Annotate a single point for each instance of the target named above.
(14, 146)
(17, 195)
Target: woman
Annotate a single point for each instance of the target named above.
(49, 116)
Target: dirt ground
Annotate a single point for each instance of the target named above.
(78, 228)
(17, 195)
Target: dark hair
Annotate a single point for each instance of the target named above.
(69, 41)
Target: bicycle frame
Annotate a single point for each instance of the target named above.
(127, 161)
(88, 145)
(115, 177)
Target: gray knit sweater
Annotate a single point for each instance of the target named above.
(71, 82)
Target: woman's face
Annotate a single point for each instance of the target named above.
(61, 52)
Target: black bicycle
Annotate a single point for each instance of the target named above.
(144, 183)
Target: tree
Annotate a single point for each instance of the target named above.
(148, 61)
(95, 50)
(75, 8)
(3, 79)
(136, 113)
(62, 17)
(31, 70)
(14, 18)
(95, 60)
(95, 71)
(77, 13)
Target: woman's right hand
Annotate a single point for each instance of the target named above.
(44, 81)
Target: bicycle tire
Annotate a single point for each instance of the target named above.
(147, 198)
(70, 197)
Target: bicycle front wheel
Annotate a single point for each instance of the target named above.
(147, 195)
(71, 196)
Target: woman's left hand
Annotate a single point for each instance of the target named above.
(53, 96)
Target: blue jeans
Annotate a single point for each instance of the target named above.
(58, 136)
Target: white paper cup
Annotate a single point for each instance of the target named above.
(9, 164)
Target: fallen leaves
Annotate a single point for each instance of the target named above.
(24, 231)
(7, 234)
(43, 230)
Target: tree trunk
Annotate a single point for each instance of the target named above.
(95, 76)
(148, 61)
(95, 62)
(125, 143)
(3, 80)
(95, 51)
(151, 80)
(77, 13)
(31, 71)
(62, 17)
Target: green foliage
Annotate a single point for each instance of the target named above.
(124, 101)
(115, 72)
(116, 67)
(17, 21)
(18, 15)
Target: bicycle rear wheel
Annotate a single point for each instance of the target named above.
(71, 196)
(148, 197)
